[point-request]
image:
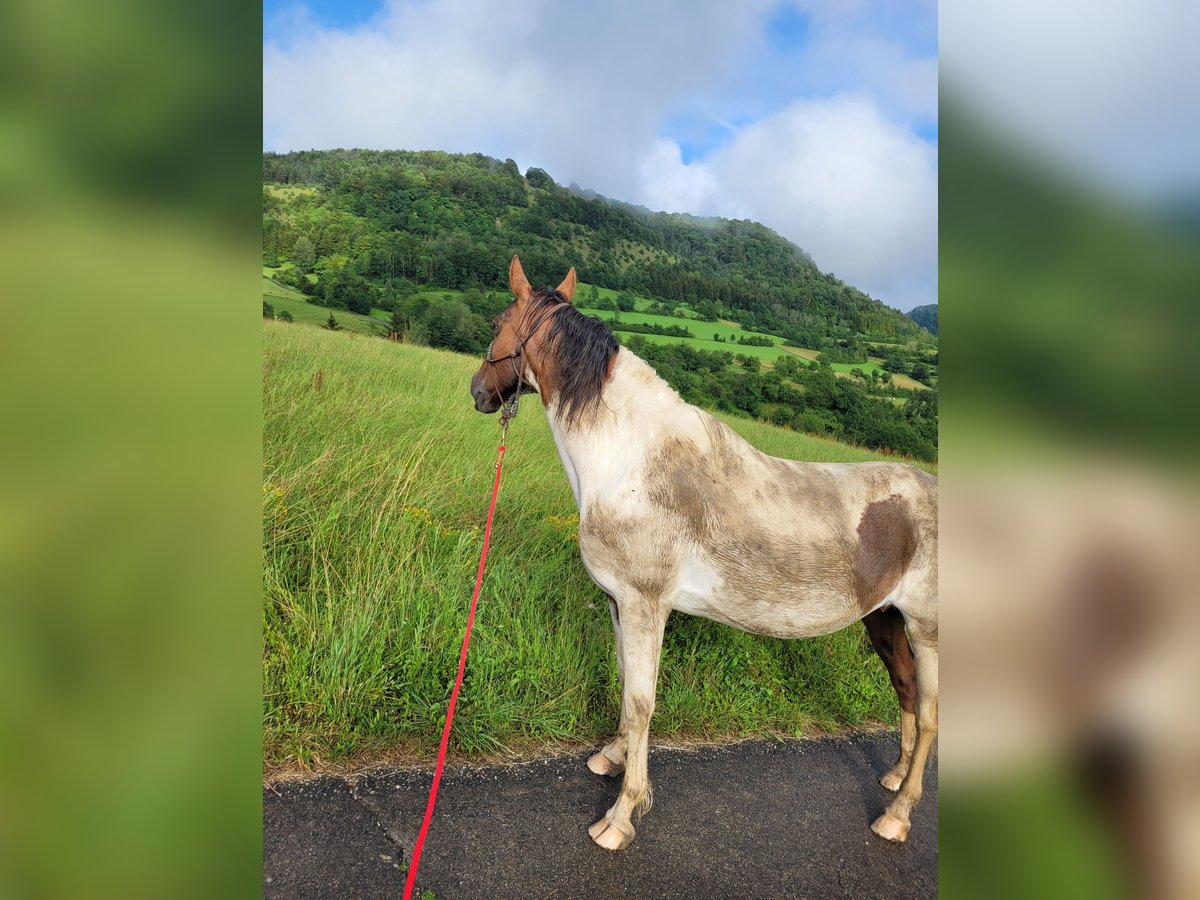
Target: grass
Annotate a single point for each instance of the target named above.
(703, 331)
(283, 298)
(376, 476)
(704, 340)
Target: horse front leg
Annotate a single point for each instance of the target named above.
(610, 760)
(642, 634)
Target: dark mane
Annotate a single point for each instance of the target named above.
(585, 346)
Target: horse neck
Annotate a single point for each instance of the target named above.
(600, 449)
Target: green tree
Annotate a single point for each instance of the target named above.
(307, 287)
(304, 254)
(538, 178)
(331, 323)
(284, 316)
(268, 310)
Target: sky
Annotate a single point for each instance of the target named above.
(817, 118)
(1102, 90)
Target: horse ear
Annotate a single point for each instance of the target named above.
(567, 288)
(517, 280)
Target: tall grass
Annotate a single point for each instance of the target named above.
(376, 478)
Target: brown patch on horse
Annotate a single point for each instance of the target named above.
(681, 480)
(648, 570)
(887, 541)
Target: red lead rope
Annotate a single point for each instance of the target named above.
(462, 665)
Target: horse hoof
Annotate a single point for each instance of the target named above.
(600, 764)
(892, 780)
(891, 828)
(610, 837)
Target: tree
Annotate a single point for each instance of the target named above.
(331, 323)
(395, 325)
(306, 286)
(284, 316)
(454, 326)
(349, 289)
(268, 310)
(304, 254)
(539, 179)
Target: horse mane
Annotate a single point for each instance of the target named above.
(584, 346)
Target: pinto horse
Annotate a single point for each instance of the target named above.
(677, 512)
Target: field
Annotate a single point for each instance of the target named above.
(376, 475)
(285, 298)
(704, 340)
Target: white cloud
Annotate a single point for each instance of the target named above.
(855, 190)
(578, 89)
(583, 90)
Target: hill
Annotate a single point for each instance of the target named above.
(376, 475)
(415, 244)
(925, 316)
(444, 219)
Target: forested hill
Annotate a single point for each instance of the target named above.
(454, 220)
(925, 316)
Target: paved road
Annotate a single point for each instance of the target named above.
(758, 819)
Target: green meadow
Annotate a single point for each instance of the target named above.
(705, 334)
(376, 477)
(283, 298)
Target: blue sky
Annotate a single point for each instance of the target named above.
(816, 117)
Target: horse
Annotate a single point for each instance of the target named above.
(678, 512)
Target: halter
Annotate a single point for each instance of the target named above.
(510, 405)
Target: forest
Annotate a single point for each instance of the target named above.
(804, 398)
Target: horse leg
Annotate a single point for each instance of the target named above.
(894, 823)
(885, 628)
(642, 638)
(611, 759)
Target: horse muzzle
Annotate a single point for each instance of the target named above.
(484, 401)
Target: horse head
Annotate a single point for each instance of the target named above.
(510, 366)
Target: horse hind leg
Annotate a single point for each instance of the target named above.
(610, 760)
(885, 628)
(895, 822)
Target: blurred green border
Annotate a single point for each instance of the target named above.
(130, 598)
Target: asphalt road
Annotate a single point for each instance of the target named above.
(757, 819)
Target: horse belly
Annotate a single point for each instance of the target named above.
(785, 611)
